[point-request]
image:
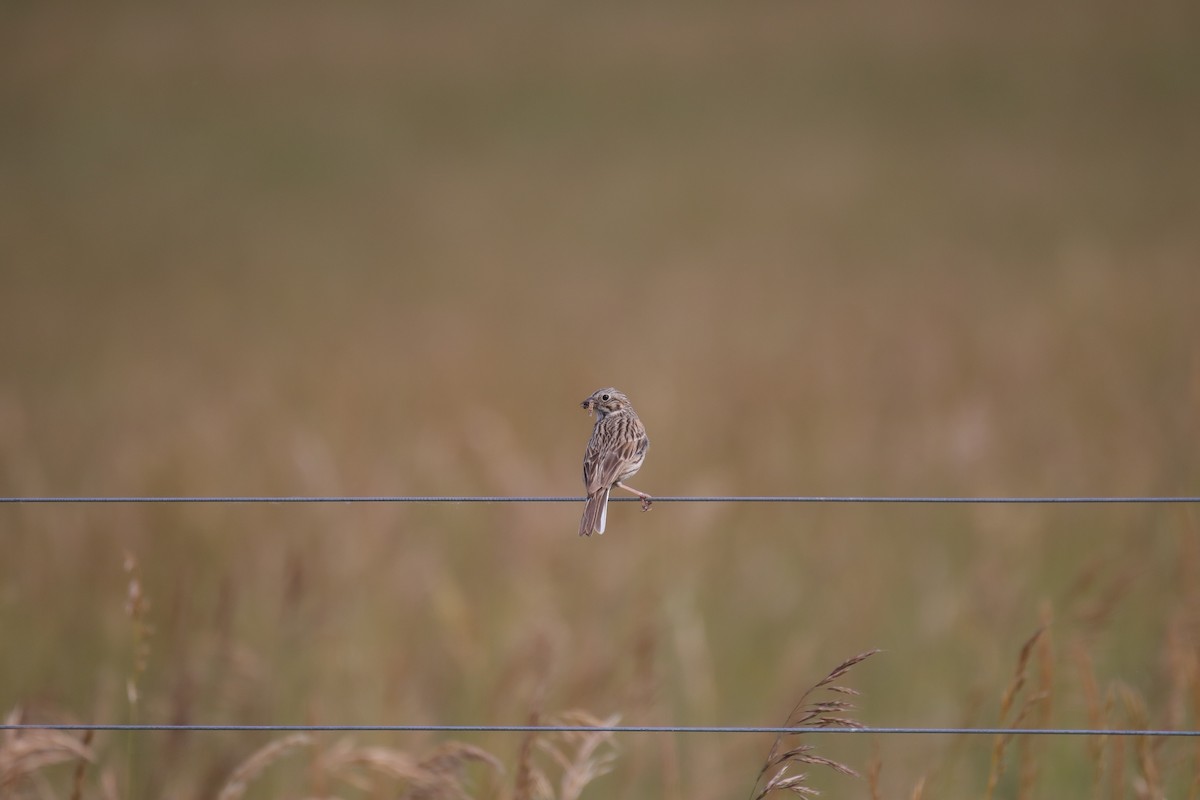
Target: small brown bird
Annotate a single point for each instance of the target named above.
(614, 453)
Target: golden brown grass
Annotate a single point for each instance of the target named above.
(943, 250)
(577, 757)
(239, 780)
(810, 711)
(1023, 712)
(346, 766)
(25, 753)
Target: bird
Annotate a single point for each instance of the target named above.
(614, 453)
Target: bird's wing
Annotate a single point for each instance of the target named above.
(590, 459)
(604, 468)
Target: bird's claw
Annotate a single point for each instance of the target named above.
(646, 503)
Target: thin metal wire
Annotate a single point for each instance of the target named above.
(604, 729)
(569, 499)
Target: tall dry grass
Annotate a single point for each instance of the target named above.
(943, 250)
(778, 772)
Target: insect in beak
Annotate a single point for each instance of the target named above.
(586, 405)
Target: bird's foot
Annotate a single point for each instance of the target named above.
(647, 501)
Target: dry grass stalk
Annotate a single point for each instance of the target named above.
(238, 780)
(523, 781)
(445, 769)
(1146, 748)
(918, 792)
(344, 759)
(137, 608)
(1183, 666)
(24, 753)
(809, 714)
(108, 785)
(1040, 709)
(1116, 780)
(874, 771)
(1194, 788)
(583, 756)
(438, 776)
(449, 758)
(1007, 700)
(1097, 715)
(1187, 661)
(783, 782)
(13, 718)
(668, 753)
(81, 768)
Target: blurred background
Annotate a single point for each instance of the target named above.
(827, 249)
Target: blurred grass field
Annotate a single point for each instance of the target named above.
(827, 250)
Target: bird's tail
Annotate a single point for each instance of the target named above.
(595, 513)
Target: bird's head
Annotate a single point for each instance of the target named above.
(606, 401)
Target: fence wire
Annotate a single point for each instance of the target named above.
(718, 729)
(234, 499)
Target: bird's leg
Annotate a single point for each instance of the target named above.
(647, 500)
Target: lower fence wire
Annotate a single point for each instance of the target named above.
(723, 729)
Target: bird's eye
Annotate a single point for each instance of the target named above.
(605, 397)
